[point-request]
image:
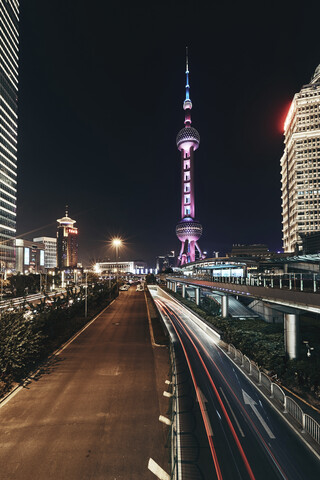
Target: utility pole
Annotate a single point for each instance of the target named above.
(86, 297)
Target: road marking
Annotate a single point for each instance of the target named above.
(201, 398)
(249, 401)
(167, 394)
(165, 420)
(157, 470)
(232, 413)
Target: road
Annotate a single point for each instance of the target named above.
(93, 412)
(247, 437)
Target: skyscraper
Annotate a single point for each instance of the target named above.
(50, 251)
(300, 166)
(67, 243)
(9, 40)
(188, 229)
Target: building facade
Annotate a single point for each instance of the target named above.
(188, 230)
(258, 250)
(300, 166)
(29, 256)
(50, 251)
(9, 43)
(67, 243)
(121, 267)
(165, 261)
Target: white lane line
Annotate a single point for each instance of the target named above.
(167, 394)
(202, 399)
(249, 401)
(232, 413)
(157, 470)
(165, 420)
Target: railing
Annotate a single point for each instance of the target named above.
(287, 404)
(175, 465)
(303, 282)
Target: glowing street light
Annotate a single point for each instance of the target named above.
(116, 243)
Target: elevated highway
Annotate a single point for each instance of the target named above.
(301, 300)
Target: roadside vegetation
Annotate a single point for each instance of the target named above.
(264, 344)
(29, 336)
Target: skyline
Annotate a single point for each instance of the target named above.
(99, 94)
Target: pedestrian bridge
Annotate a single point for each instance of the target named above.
(300, 300)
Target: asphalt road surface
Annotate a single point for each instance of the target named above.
(93, 413)
(248, 439)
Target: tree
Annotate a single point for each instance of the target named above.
(151, 279)
(20, 346)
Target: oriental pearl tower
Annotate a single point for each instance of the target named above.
(188, 230)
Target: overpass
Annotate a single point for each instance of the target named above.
(301, 300)
(290, 302)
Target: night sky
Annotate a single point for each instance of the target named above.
(100, 104)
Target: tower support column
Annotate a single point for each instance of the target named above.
(197, 294)
(291, 335)
(224, 306)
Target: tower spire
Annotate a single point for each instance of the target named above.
(187, 75)
(187, 104)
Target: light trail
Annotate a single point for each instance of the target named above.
(183, 326)
(234, 434)
(200, 400)
(234, 395)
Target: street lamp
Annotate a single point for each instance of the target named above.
(117, 243)
(306, 342)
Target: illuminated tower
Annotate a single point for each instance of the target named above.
(188, 229)
(67, 243)
(9, 58)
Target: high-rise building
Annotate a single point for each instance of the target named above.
(67, 243)
(188, 230)
(165, 261)
(50, 251)
(9, 41)
(29, 256)
(300, 166)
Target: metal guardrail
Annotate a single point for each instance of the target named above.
(303, 282)
(175, 465)
(287, 404)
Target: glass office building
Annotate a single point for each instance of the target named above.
(9, 42)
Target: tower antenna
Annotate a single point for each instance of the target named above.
(187, 75)
(187, 62)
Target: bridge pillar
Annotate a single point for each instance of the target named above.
(224, 306)
(197, 292)
(183, 290)
(168, 284)
(291, 335)
(174, 287)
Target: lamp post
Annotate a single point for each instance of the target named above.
(117, 243)
(86, 297)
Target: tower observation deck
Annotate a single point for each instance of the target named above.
(188, 230)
